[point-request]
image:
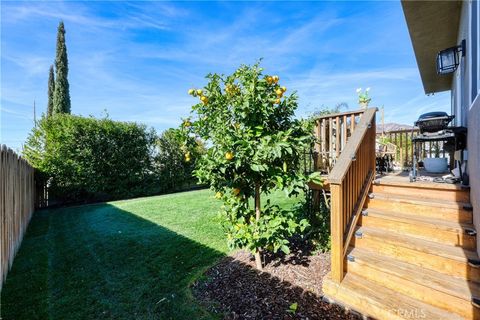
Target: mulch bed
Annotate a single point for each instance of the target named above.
(236, 289)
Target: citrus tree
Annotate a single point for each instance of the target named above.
(255, 148)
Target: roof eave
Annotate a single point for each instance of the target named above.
(433, 26)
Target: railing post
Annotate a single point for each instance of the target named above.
(374, 142)
(336, 225)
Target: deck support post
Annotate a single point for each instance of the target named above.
(336, 225)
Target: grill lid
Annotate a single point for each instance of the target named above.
(434, 114)
(433, 121)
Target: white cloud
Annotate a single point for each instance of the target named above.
(14, 113)
(80, 14)
(31, 65)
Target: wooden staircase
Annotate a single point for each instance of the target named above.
(412, 254)
(399, 250)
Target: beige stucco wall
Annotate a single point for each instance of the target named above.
(474, 163)
(461, 77)
(467, 113)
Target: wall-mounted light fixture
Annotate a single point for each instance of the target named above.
(448, 59)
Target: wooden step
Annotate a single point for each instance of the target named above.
(437, 209)
(443, 231)
(423, 190)
(450, 260)
(440, 290)
(379, 302)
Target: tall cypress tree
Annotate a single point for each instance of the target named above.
(61, 95)
(51, 89)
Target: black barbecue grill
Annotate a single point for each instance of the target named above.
(433, 122)
(433, 126)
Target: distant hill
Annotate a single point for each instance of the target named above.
(393, 127)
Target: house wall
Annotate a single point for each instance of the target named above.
(474, 57)
(473, 91)
(466, 99)
(461, 77)
(474, 163)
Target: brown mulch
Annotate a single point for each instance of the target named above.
(236, 289)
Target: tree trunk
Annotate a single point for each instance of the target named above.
(258, 258)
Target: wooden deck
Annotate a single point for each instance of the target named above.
(400, 177)
(403, 175)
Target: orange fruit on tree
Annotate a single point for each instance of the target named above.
(191, 92)
(275, 79)
(269, 80)
(231, 89)
(199, 92)
(229, 155)
(204, 99)
(277, 101)
(284, 89)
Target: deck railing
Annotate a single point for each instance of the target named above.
(350, 181)
(332, 132)
(403, 140)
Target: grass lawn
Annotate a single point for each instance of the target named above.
(132, 259)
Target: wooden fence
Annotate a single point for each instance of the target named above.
(17, 203)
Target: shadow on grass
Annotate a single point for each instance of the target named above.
(102, 262)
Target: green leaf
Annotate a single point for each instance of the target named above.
(316, 178)
(285, 249)
(293, 308)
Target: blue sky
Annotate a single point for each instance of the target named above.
(138, 59)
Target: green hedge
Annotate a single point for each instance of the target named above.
(87, 159)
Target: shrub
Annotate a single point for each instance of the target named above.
(317, 213)
(88, 159)
(175, 171)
